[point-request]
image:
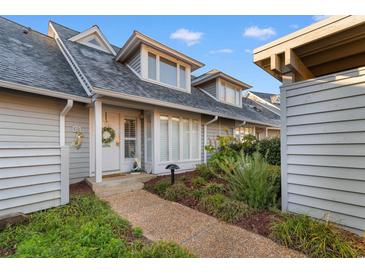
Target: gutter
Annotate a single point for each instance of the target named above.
(205, 135)
(43, 91)
(63, 113)
(157, 102)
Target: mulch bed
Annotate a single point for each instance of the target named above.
(257, 222)
(80, 188)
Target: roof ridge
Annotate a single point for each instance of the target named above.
(51, 21)
(27, 27)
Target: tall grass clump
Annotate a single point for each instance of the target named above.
(249, 180)
(314, 238)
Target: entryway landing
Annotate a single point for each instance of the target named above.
(118, 183)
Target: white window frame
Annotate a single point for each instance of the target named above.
(181, 157)
(222, 88)
(130, 138)
(145, 50)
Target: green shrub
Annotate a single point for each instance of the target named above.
(177, 192)
(198, 182)
(270, 149)
(213, 188)
(85, 228)
(204, 171)
(314, 238)
(249, 181)
(223, 207)
(164, 249)
(198, 194)
(275, 178)
(137, 232)
(161, 187)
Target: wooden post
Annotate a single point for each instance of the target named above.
(98, 120)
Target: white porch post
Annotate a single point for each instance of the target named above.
(266, 132)
(98, 120)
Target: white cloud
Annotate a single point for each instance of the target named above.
(189, 37)
(294, 26)
(227, 50)
(320, 17)
(259, 33)
(248, 51)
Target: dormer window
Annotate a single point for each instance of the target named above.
(166, 70)
(229, 94)
(157, 63)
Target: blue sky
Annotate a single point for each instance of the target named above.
(222, 42)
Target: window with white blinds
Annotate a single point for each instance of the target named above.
(195, 139)
(179, 139)
(130, 138)
(175, 138)
(164, 138)
(229, 94)
(186, 139)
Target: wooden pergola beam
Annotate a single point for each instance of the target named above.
(275, 63)
(293, 62)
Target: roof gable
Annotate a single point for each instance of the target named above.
(94, 38)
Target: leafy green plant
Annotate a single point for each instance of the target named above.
(314, 238)
(204, 171)
(161, 187)
(198, 182)
(275, 179)
(86, 228)
(177, 192)
(213, 188)
(223, 207)
(137, 232)
(270, 149)
(165, 249)
(249, 181)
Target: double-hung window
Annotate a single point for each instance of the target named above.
(175, 139)
(229, 94)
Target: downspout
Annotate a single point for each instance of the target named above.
(63, 113)
(205, 135)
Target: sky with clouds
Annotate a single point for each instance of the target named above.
(222, 42)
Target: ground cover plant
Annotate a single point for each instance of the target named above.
(87, 227)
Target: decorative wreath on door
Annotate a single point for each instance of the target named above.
(108, 135)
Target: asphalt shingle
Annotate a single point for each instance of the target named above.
(30, 58)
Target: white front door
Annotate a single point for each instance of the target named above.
(111, 151)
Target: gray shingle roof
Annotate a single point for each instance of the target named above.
(34, 59)
(105, 73)
(266, 96)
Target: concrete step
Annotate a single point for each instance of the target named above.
(119, 184)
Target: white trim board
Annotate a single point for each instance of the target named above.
(42, 91)
(170, 105)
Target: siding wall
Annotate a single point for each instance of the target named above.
(29, 119)
(78, 118)
(135, 61)
(323, 148)
(221, 127)
(210, 87)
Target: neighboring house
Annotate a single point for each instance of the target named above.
(74, 106)
(323, 118)
(269, 105)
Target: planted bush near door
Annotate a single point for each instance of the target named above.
(249, 180)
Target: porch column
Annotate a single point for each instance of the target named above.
(266, 132)
(98, 121)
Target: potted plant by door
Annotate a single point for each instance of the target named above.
(136, 169)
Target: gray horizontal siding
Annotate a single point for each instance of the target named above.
(210, 87)
(78, 117)
(27, 119)
(135, 61)
(324, 150)
(30, 178)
